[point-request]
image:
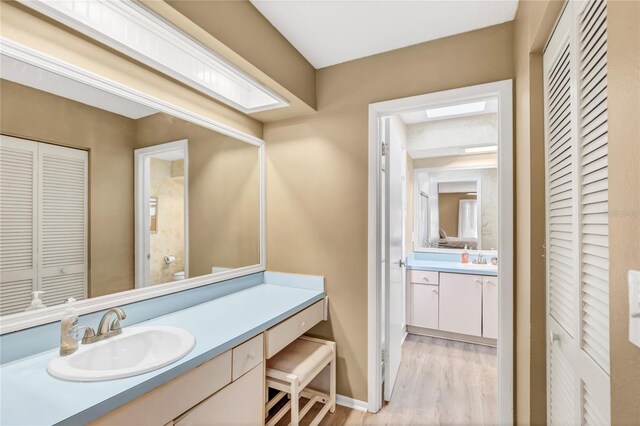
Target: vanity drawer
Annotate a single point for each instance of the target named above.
(279, 336)
(164, 403)
(247, 355)
(423, 277)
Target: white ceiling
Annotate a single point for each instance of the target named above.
(37, 78)
(329, 32)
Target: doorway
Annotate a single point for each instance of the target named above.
(392, 236)
(161, 213)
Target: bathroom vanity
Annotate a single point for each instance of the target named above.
(452, 300)
(220, 380)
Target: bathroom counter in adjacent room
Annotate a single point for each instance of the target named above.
(448, 263)
(30, 396)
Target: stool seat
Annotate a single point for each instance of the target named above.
(301, 358)
(292, 371)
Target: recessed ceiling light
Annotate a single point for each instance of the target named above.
(481, 149)
(456, 109)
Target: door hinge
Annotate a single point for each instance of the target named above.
(384, 149)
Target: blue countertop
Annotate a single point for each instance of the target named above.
(453, 267)
(30, 396)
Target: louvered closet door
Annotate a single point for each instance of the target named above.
(62, 223)
(577, 217)
(18, 269)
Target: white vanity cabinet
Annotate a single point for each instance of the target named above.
(424, 305)
(461, 304)
(226, 390)
(490, 307)
(240, 403)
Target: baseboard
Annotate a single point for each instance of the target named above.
(405, 333)
(452, 336)
(354, 404)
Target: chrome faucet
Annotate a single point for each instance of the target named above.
(70, 331)
(106, 329)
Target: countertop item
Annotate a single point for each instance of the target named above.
(217, 325)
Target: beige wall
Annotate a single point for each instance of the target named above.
(533, 24)
(109, 138)
(448, 206)
(224, 197)
(317, 173)
(624, 201)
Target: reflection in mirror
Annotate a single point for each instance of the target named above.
(102, 195)
(452, 174)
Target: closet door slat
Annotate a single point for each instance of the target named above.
(18, 218)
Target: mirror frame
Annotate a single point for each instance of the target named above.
(416, 206)
(22, 320)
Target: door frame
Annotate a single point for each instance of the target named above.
(503, 91)
(141, 205)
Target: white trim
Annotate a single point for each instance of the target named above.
(133, 29)
(23, 320)
(503, 91)
(354, 404)
(141, 207)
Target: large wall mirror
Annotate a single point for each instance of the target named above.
(454, 163)
(100, 194)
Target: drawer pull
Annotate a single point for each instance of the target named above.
(435, 291)
(302, 324)
(251, 356)
(479, 281)
(426, 279)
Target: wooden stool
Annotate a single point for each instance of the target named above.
(292, 369)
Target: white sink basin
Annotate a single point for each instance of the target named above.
(136, 351)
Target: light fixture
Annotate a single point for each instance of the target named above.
(132, 29)
(459, 109)
(481, 149)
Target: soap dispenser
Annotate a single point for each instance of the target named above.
(68, 328)
(36, 303)
(465, 255)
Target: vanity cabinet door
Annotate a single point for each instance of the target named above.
(424, 306)
(461, 304)
(490, 307)
(240, 403)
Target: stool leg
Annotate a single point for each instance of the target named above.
(295, 401)
(332, 380)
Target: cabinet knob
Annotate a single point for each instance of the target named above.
(435, 291)
(251, 356)
(425, 279)
(302, 324)
(553, 337)
(478, 281)
(490, 282)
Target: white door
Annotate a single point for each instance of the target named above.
(18, 219)
(62, 223)
(461, 304)
(43, 223)
(577, 243)
(394, 261)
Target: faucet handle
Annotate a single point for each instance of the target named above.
(115, 325)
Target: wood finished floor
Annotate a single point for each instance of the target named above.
(440, 382)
